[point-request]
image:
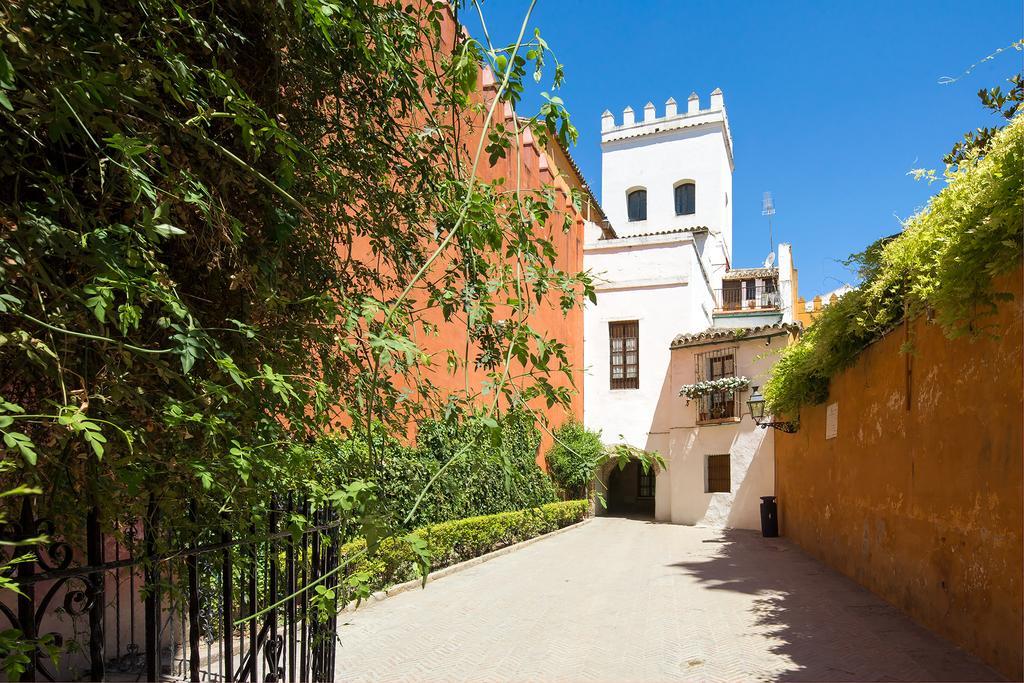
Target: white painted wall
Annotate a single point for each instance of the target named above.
(680, 490)
(591, 231)
(786, 294)
(664, 282)
(658, 282)
(659, 153)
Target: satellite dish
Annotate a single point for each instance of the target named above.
(770, 261)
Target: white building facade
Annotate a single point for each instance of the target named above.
(666, 288)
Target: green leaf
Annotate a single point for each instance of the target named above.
(23, 444)
(167, 230)
(10, 407)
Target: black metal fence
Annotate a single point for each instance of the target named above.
(141, 603)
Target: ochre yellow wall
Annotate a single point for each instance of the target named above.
(922, 506)
(805, 317)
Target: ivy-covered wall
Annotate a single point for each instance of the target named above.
(920, 501)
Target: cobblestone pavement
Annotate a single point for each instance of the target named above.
(631, 600)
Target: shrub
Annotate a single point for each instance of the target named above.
(490, 476)
(448, 543)
(574, 458)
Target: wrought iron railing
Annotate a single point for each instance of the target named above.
(746, 298)
(148, 604)
(718, 405)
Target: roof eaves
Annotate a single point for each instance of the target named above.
(697, 229)
(715, 335)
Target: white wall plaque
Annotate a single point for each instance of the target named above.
(832, 421)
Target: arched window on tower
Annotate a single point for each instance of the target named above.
(636, 205)
(686, 196)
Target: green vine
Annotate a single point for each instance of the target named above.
(946, 261)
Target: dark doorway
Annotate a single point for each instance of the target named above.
(630, 491)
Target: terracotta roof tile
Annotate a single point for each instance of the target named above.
(739, 273)
(716, 334)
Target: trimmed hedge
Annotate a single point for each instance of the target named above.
(459, 540)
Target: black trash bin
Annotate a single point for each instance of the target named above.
(769, 517)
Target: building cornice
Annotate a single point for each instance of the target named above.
(647, 239)
(642, 283)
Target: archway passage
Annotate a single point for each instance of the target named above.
(631, 491)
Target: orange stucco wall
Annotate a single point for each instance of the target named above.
(921, 503)
(529, 167)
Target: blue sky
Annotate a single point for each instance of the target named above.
(830, 104)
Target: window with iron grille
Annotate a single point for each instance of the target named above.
(624, 354)
(712, 365)
(645, 484)
(719, 479)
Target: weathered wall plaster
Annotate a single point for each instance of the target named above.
(922, 505)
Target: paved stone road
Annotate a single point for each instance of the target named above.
(629, 600)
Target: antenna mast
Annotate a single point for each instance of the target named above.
(768, 209)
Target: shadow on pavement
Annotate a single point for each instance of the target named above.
(827, 626)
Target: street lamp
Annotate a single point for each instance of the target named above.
(756, 405)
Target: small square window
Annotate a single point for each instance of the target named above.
(719, 480)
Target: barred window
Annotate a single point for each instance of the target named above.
(719, 480)
(624, 354)
(645, 484)
(718, 405)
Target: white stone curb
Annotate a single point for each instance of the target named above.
(456, 568)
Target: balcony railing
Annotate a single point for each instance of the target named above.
(718, 405)
(747, 298)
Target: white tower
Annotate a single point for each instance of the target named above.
(667, 192)
(657, 155)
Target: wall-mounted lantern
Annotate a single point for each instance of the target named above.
(756, 405)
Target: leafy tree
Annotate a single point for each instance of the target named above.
(1004, 105)
(578, 456)
(221, 223)
(946, 261)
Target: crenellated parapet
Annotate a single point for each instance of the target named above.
(669, 118)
